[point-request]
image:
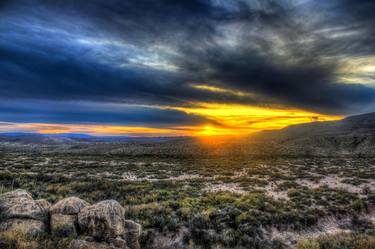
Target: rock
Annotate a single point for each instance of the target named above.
(99, 226)
(103, 220)
(118, 243)
(64, 225)
(19, 204)
(64, 216)
(27, 209)
(83, 244)
(14, 197)
(70, 205)
(133, 231)
(44, 204)
(88, 238)
(23, 226)
(21, 214)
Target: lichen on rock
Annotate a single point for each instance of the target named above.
(64, 216)
(103, 220)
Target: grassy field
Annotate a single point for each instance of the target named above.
(212, 200)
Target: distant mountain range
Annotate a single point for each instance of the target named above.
(25, 137)
(354, 135)
(27, 134)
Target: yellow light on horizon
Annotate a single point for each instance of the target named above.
(208, 130)
(223, 120)
(96, 130)
(243, 119)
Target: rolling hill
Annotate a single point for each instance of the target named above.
(354, 135)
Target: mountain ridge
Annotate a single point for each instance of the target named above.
(353, 135)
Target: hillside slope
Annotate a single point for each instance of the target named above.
(352, 135)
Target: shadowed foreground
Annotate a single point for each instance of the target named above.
(70, 223)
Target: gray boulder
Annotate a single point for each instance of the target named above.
(118, 243)
(27, 209)
(84, 244)
(63, 225)
(70, 205)
(20, 214)
(44, 204)
(133, 231)
(99, 226)
(9, 199)
(103, 220)
(64, 216)
(19, 204)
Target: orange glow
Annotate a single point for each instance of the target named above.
(52, 131)
(241, 119)
(97, 130)
(224, 120)
(209, 130)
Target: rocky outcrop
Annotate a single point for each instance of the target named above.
(9, 199)
(19, 212)
(70, 205)
(132, 233)
(64, 225)
(29, 209)
(64, 216)
(102, 221)
(98, 226)
(117, 243)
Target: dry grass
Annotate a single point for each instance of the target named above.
(340, 241)
(17, 238)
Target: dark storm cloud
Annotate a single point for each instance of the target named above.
(151, 52)
(91, 112)
(349, 16)
(29, 73)
(288, 57)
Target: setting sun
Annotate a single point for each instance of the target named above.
(222, 120)
(241, 119)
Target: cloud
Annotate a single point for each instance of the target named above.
(54, 112)
(275, 53)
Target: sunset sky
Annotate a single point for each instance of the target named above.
(170, 67)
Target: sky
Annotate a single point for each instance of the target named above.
(170, 67)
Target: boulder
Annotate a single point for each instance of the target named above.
(64, 216)
(70, 205)
(19, 204)
(133, 231)
(118, 243)
(27, 209)
(99, 226)
(103, 220)
(21, 214)
(44, 204)
(63, 225)
(28, 227)
(84, 244)
(14, 197)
